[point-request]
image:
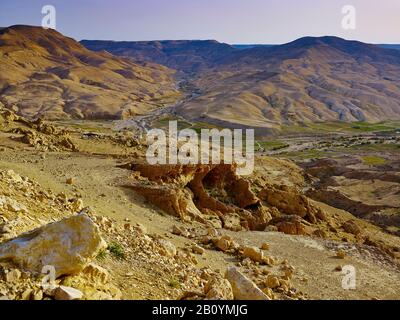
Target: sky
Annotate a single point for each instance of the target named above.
(230, 21)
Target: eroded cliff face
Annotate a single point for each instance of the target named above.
(216, 195)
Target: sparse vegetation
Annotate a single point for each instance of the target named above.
(272, 145)
(174, 283)
(349, 127)
(116, 250)
(304, 154)
(373, 160)
(102, 255)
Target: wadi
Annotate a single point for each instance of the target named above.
(79, 122)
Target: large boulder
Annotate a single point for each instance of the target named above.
(243, 288)
(67, 293)
(253, 253)
(68, 245)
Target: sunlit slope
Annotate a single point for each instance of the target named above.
(44, 73)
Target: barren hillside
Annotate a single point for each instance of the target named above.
(43, 73)
(308, 80)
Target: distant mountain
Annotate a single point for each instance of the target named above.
(184, 55)
(390, 46)
(334, 45)
(43, 73)
(310, 79)
(249, 46)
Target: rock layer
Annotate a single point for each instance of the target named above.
(198, 191)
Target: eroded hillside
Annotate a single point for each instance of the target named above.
(43, 73)
(305, 81)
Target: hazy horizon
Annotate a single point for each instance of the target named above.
(232, 44)
(230, 21)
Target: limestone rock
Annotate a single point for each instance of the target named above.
(166, 248)
(180, 231)
(268, 260)
(13, 275)
(224, 243)
(197, 249)
(197, 192)
(272, 282)
(351, 227)
(243, 288)
(141, 228)
(212, 232)
(218, 288)
(68, 245)
(291, 202)
(76, 205)
(268, 292)
(37, 295)
(253, 253)
(288, 270)
(67, 293)
(341, 254)
(232, 222)
(26, 295)
(271, 228)
(96, 273)
(12, 205)
(175, 201)
(290, 225)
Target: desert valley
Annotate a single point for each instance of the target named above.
(322, 203)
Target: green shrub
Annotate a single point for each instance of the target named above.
(373, 160)
(174, 283)
(117, 250)
(102, 255)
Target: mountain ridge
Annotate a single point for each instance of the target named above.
(43, 73)
(307, 80)
(183, 55)
(311, 79)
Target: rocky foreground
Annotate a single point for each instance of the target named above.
(82, 216)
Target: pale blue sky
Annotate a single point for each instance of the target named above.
(231, 21)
